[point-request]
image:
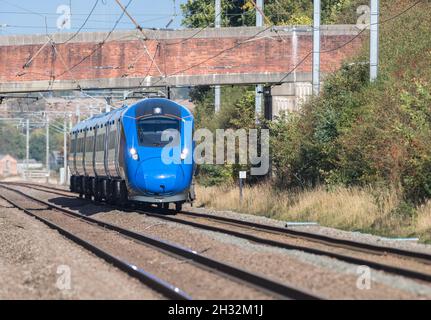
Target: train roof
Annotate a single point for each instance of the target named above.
(98, 119)
(104, 118)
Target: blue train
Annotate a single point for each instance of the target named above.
(140, 153)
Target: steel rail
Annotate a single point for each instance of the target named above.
(255, 280)
(343, 243)
(157, 284)
(267, 228)
(342, 257)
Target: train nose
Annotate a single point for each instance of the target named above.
(155, 177)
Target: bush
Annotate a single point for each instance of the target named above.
(355, 133)
(237, 112)
(211, 175)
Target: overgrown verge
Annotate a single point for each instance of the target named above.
(363, 209)
(365, 143)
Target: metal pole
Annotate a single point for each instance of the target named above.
(78, 113)
(108, 104)
(217, 20)
(27, 145)
(217, 24)
(240, 190)
(65, 149)
(70, 122)
(47, 148)
(70, 129)
(316, 47)
(374, 39)
(217, 98)
(259, 87)
(259, 17)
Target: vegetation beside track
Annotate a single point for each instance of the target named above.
(362, 209)
(356, 157)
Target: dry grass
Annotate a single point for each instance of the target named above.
(364, 209)
(423, 221)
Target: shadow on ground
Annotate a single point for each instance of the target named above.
(84, 207)
(89, 208)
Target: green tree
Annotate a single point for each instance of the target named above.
(357, 133)
(237, 105)
(201, 13)
(12, 141)
(38, 143)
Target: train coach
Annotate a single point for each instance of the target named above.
(140, 153)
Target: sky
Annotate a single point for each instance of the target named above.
(29, 16)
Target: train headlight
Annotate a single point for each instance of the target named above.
(134, 153)
(184, 154)
(157, 110)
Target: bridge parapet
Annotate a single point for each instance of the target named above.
(127, 59)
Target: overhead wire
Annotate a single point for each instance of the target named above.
(99, 45)
(82, 25)
(347, 42)
(216, 55)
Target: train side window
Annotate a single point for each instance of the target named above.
(99, 142)
(88, 146)
(102, 142)
(112, 139)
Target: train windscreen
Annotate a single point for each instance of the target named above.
(150, 131)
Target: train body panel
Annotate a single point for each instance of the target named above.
(143, 152)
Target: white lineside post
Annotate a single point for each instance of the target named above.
(374, 39)
(259, 87)
(217, 24)
(47, 148)
(316, 47)
(242, 177)
(65, 150)
(27, 146)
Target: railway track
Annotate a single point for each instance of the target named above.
(235, 227)
(148, 279)
(257, 281)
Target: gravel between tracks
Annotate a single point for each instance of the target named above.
(328, 277)
(327, 231)
(199, 283)
(331, 232)
(31, 254)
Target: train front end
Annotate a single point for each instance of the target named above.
(158, 152)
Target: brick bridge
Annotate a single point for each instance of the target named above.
(128, 59)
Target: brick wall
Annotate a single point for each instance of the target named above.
(128, 58)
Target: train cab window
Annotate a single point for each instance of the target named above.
(150, 131)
